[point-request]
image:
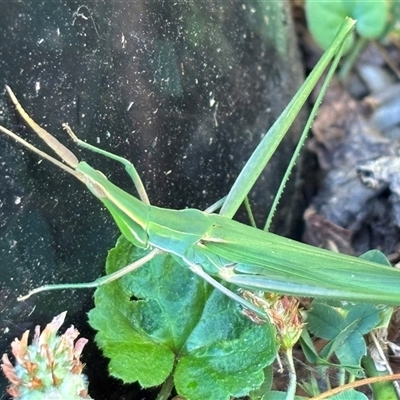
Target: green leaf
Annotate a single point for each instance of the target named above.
(162, 319)
(275, 395)
(371, 16)
(376, 256)
(324, 18)
(386, 312)
(344, 328)
(351, 351)
(324, 321)
(312, 387)
(349, 395)
(308, 348)
(365, 317)
(314, 358)
(265, 387)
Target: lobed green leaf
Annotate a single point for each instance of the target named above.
(162, 320)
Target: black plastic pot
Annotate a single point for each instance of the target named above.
(185, 90)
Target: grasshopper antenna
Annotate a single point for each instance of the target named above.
(63, 152)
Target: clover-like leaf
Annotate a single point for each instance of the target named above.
(344, 328)
(324, 18)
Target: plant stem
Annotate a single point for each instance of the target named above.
(291, 392)
(381, 390)
(341, 376)
(166, 388)
(303, 136)
(352, 58)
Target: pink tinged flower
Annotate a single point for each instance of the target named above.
(283, 312)
(49, 367)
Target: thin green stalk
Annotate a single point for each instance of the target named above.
(341, 377)
(166, 388)
(324, 372)
(303, 136)
(384, 390)
(214, 207)
(264, 151)
(352, 57)
(291, 392)
(249, 212)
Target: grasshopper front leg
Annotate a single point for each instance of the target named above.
(96, 283)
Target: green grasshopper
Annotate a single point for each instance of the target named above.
(214, 244)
